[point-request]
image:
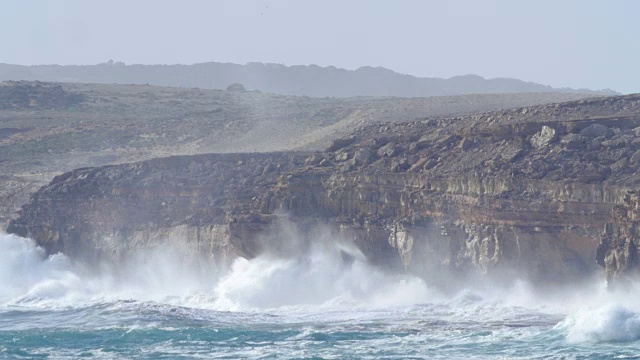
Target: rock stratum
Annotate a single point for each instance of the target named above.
(47, 129)
(548, 191)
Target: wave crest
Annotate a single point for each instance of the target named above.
(609, 323)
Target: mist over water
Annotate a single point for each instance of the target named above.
(325, 274)
(326, 300)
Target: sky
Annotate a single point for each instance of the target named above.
(562, 43)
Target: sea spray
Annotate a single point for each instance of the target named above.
(325, 301)
(330, 272)
(607, 323)
(603, 316)
(26, 273)
(317, 277)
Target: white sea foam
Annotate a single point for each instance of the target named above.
(603, 316)
(332, 274)
(29, 278)
(329, 276)
(607, 323)
(26, 272)
(320, 277)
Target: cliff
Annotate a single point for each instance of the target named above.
(546, 192)
(47, 129)
(98, 213)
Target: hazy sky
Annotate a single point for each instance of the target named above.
(573, 43)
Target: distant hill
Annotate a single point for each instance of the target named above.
(312, 80)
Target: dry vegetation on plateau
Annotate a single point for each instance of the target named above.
(47, 129)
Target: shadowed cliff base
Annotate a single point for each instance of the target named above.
(547, 191)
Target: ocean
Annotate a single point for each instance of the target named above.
(314, 306)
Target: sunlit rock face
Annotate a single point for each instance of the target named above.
(544, 192)
(618, 250)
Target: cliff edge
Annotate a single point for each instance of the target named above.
(545, 191)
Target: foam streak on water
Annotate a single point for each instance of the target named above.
(314, 305)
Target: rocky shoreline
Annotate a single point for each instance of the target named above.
(546, 191)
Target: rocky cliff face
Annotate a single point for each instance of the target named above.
(47, 129)
(105, 212)
(618, 250)
(546, 192)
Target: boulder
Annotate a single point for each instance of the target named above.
(617, 142)
(543, 137)
(418, 165)
(342, 156)
(422, 143)
(399, 164)
(446, 140)
(340, 143)
(387, 150)
(362, 156)
(595, 130)
(572, 141)
(596, 143)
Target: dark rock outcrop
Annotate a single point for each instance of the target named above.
(490, 193)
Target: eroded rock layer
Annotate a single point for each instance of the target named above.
(546, 192)
(104, 212)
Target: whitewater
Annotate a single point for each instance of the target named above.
(328, 303)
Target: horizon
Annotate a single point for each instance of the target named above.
(544, 42)
(116, 63)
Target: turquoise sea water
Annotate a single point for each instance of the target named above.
(314, 307)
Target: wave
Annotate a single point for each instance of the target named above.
(322, 278)
(604, 317)
(608, 323)
(26, 273)
(330, 277)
